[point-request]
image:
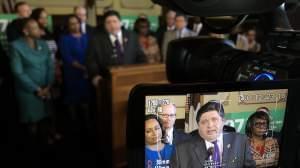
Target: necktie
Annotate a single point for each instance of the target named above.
(216, 155)
(179, 33)
(119, 50)
(168, 138)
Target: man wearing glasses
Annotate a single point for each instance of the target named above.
(167, 113)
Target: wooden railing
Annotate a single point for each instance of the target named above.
(112, 97)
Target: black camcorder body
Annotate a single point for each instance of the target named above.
(190, 60)
(208, 59)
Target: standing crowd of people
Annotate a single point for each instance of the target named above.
(47, 71)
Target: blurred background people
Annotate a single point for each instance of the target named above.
(157, 153)
(195, 24)
(146, 40)
(13, 30)
(181, 31)
(81, 13)
(239, 38)
(41, 16)
(253, 45)
(168, 24)
(265, 149)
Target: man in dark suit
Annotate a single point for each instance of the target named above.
(81, 13)
(213, 147)
(112, 47)
(173, 136)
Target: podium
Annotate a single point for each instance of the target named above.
(112, 97)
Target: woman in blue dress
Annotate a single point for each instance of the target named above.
(72, 46)
(157, 153)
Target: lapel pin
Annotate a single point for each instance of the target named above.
(125, 40)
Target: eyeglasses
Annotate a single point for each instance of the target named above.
(167, 115)
(260, 124)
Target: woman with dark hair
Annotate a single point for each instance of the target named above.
(147, 40)
(40, 15)
(265, 149)
(73, 47)
(33, 71)
(157, 153)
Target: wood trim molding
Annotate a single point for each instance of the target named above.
(58, 3)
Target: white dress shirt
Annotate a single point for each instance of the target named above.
(170, 28)
(197, 27)
(83, 27)
(113, 38)
(219, 142)
(169, 135)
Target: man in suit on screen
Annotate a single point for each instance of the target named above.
(213, 148)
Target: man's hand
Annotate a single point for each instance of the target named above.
(96, 80)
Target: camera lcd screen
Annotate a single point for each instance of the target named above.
(172, 124)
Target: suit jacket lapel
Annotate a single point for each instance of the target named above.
(109, 43)
(125, 38)
(174, 137)
(108, 46)
(226, 147)
(200, 150)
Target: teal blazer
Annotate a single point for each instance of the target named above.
(32, 68)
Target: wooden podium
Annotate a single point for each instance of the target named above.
(112, 97)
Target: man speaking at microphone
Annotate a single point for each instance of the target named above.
(213, 148)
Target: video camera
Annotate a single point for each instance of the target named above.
(203, 58)
(190, 59)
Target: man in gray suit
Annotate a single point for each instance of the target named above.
(181, 31)
(213, 148)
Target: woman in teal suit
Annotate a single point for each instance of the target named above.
(33, 72)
